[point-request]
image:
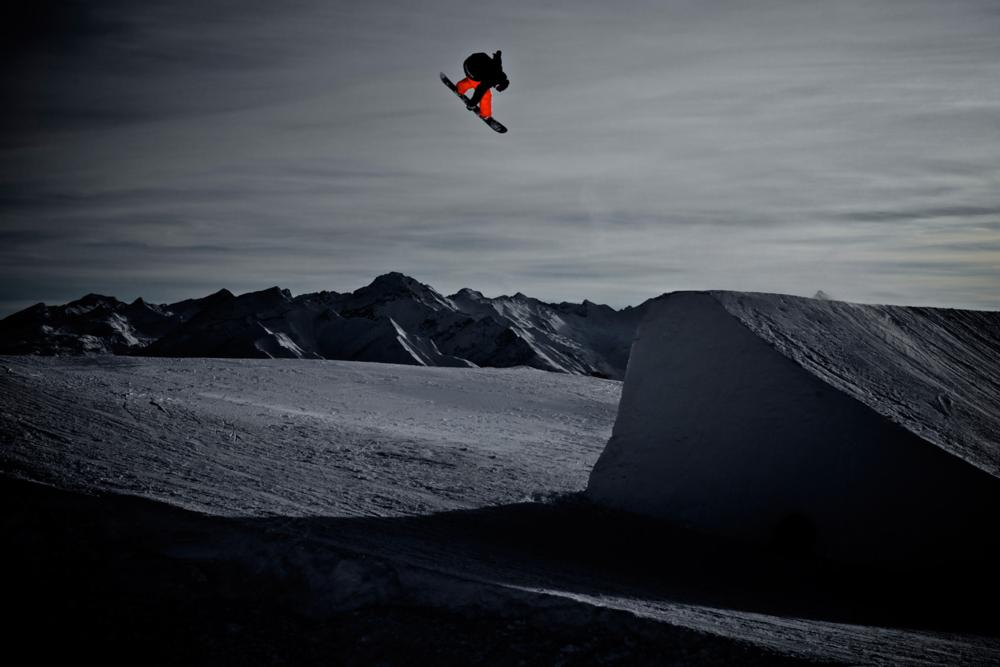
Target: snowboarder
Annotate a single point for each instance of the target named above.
(483, 73)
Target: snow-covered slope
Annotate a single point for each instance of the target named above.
(583, 338)
(865, 431)
(259, 437)
(258, 324)
(395, 319)
(935, 371)
(391, 493)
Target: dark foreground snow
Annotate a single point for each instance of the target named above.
(290, 512)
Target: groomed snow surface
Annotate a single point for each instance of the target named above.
(302, 437)
(322, 512)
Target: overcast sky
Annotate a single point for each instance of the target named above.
(168, 149)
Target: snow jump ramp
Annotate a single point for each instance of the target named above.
(852, 431)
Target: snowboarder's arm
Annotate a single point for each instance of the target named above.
(497, 61)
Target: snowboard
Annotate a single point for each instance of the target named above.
(492, 122)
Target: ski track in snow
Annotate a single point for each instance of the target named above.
(290, 438)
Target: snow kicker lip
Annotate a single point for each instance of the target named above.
(739, 417)
(934, 371)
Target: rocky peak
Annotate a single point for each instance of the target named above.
(394, 285)
(466, 293)
(396, 281)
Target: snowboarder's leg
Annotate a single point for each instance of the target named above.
(465, 84)
(486, 105)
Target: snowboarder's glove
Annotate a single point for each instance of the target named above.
(470, 105)
(496, 57)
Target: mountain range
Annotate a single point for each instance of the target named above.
(395, 319)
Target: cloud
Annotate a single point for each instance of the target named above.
(782, 146)
(923, 214)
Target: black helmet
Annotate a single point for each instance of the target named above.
(502, 86)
